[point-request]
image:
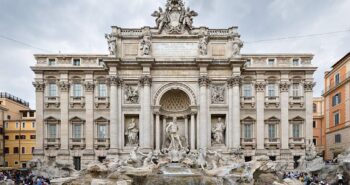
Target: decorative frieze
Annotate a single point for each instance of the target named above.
(308, 86)
(145, 80)
(89, 86)
(39, 86)
(234, 81)
(260, 86)
(115, 80)
(284, 86)
(64, 86)
(204, 81)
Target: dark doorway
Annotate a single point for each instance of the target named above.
(76, 161)
(272, 158)
(101, 159)
(248, 158)
(296, 159)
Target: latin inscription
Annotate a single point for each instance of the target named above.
(175, 49)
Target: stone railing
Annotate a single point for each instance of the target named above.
(297, 142)
(275, 100)
(77, 100)
(101, 142)
(248, 143)
(52, 142)
(77, 142)
(52, 100)
(272, 143)
(250, 100)
(99, 100)
(296, 100)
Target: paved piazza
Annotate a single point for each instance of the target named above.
(173, 83)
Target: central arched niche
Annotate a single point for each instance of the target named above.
(175, 102)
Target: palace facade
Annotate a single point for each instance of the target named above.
(92, 107)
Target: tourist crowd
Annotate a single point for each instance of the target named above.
(310, 179)
(23, 178)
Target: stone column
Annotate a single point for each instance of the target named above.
(89, 114)
(157, 131)
(193, 137)
(308, 87)
(236, 118)
(64, 97)
(119, 114)
(186, 128)
(203, 112)
(40, 134)
(284, 92)
(146, 125)
(260, 107)
(114, 82)
(229, 127)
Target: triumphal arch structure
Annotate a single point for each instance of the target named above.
(193, 78)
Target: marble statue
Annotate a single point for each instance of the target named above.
(145, 45)
(237, 44)
(112, 45)
(218, 94)
(218, 132)
(187, 18)
(132, 133)
(161, 19)
(172, 130)
(131, 95)
(203, 45)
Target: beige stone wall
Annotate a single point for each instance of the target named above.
(336, 148)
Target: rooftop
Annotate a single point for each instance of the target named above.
(14, 98)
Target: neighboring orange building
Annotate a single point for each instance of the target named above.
(337, 107)
(318, 125)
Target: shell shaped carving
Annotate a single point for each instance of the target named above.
(175, 101)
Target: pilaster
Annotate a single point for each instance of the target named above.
(260, 111)
(39, 94)
(236, 121)
(64, 98)
(203, 112)
(89, 113)
(308, 88)
(114, 82)
(284, 94)
(146, 126)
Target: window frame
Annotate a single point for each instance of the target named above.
(336, 123)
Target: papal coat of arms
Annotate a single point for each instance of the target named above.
(175, 18)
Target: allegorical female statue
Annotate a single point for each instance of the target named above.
(218, 132)
(132, 133)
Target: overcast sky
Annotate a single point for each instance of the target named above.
(79, 26)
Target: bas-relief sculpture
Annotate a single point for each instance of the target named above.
(145, 45)
(217, 94)
(218, 131)
(131, 94)
(203, 45)
(132, 133)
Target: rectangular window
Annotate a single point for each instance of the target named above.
(247, 90)
(17, 125)
(337, 138)
(271, 62)
(337, 79)
(33, 124)
(314, 107)
(15, 150)
(336, 118)
(6, 125)
(296, 130)
(77, 90)
(314, 124)
(7, 137)
(295, 89)
(23, 136)
(32, 136)
(52, 62)
(31, 114)
(272, 131)
(6, 150)
(76, 132)
(295, 62)
(24, 114)
(102, 131)
(76, 62)
(17, 137)
(102, 90)
(52, 131)
(248, 62)
(336, 99)
(23, 124)
(314, 141)
(23, 150)
(247, 131)
(271, 90)
(52, 90)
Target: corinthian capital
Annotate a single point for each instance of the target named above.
(39, 86)
(146, 80)
(89, 86)
(308, 86)
(115, 80)
(64, 86)
(203, 81)
(284, 86)
(234, 81)
(260, 86)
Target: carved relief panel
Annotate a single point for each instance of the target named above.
(218, 93)
(131, 94)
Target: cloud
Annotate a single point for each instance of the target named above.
(79, 27)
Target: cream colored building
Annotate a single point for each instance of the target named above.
(92, 107)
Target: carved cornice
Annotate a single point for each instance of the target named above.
(89, 86)
(145, 80)
(204, 81)
(115, 80)
(64, 86)
(284, 86)
(260, 86)
(234, 81)
(308, 86)
(39, 86)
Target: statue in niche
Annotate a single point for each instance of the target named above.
(236, 46)
(218, 132)
(172, 130)
(203, 45)
(131, 95)
(132, 133)
(187, 18)
(145, 45)
(112, 45)
(218, 94)
(161, 19)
